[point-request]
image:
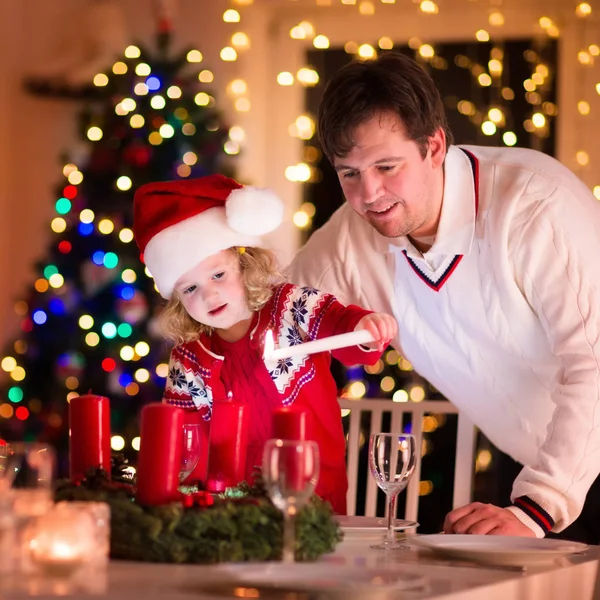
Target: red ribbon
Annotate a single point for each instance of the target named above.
(201, 499)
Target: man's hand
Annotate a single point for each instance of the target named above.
(485, 519)
(382, 326)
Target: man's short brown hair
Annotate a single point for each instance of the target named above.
(390, 83)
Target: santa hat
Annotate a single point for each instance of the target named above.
(177, 224)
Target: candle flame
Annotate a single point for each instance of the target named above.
(269, 344)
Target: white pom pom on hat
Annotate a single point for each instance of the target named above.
(177, 224)
(254, 211)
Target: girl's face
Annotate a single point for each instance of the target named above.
(214, 294)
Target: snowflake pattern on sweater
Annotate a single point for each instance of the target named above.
(186, 386)
(294, 314)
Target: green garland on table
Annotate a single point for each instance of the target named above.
(240, 525)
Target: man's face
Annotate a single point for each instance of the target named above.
(388, 182)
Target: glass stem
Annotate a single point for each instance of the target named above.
(391, 538)
(289, 536)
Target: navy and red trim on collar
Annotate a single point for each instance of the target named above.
(437, 284)
(534, 511)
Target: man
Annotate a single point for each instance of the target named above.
(488, 258)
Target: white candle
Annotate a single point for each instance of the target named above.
(353, 338)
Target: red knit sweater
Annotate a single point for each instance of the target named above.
(208, 369)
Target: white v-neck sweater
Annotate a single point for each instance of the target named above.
(508, 326)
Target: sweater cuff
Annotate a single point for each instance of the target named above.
(531, 514)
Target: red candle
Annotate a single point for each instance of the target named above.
(291, 423)
(159, 461)
(89, 431)
(228, 444)
(200, 471)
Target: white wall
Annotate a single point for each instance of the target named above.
(34, 131)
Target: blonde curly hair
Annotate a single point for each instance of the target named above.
(260, 274)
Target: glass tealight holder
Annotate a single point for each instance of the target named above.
(100, 514)
(62, 541)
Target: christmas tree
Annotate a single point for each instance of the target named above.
(89, 320)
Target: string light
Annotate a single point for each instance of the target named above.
(143, 69)
(132, 52)
(137, 121)
(100, 80)
(426, 51)
(351, 47)
(231, 16)
(509, 138)
(496, 19)
(366, 8)
(366, 51)
(428, 7)
(488, 128)
(242, 105)
(94, 134)
(202, 99)
(206, 76)
(238, 87)
(194, 56)
(400, 396)
(321, 42)
(484, 80)
(240, 40)
(539, 120)
(157, 102)
(126, 235)
(117, 443)
(583, 10)
(119, 68)
(190, 158)
(228, 54)
(301, 219)
(237, 134)
(124, 183)
(583, 107)
(582, 157)
(298, 173)
(141, 89)
(307, 76)
(285, 78)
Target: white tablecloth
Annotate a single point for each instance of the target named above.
(573, 578)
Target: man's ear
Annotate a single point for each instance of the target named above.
(437, 148)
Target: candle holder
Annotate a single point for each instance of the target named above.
(100, 515)
(31, 468)
(62, 541)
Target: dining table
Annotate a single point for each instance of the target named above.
(353, 571)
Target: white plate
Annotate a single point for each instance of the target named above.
(318, 576)
(497, 549)
(358, 524)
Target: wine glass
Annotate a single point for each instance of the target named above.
(190, 450)
(290, 472)
(392, 459)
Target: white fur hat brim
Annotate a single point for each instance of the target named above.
(174, 251)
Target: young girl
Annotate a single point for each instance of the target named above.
(199, 240)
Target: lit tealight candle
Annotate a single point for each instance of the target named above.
(353, 338)
(62, 541)
(58, 558)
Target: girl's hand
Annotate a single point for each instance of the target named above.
(383, 327)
